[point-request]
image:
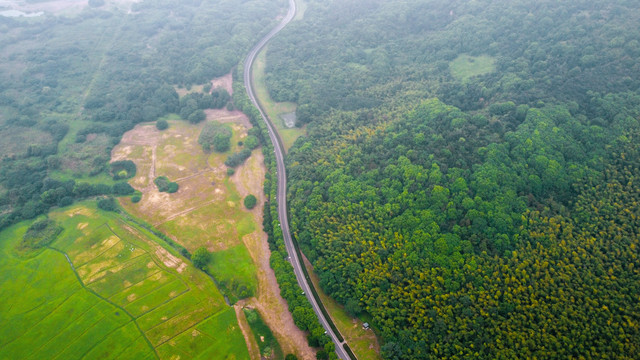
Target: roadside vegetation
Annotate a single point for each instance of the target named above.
(275, 110)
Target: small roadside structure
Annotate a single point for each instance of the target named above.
(365, 326)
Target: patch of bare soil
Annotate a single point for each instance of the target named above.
(226, 116)
(225, 82)
(272, 306)
(249, 179)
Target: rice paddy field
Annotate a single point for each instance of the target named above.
(106, 289)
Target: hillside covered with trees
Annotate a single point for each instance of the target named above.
(470, 174)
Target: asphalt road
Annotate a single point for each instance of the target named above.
(282, 179)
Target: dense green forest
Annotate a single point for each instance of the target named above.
(65, 100)
(470, 174)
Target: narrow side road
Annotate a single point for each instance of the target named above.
(282, 179)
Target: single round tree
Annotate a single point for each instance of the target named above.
(250, 201)
(200, 258)
(162, 124)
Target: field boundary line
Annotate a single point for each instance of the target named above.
(65, 328)
(185, 212)
(41, 320)
(192, 326)
(163, 303)
(136, 283)
(102, 339)
(100, 254)
(151, 293)
(107, 300)
(174, 316)
(210, 169)
(136, 232)
(129, 263)
(78, 337)
(125, 348)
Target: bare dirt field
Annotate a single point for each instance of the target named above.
(225, 82)
(207, 210)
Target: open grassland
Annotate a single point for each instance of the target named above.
(207, 210)
(106, 289)
(464, 66)
(363, 343)
(274, 110)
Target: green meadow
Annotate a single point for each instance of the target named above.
(106, 289)
(465, 66)
(274, 110)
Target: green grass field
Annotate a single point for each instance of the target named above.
(464, 66)
(274, 110)
(125, 296)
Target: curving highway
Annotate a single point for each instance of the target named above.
(282, 178)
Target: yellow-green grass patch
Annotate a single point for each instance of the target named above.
(273, 109)
(142, 303)
(134, 291)
(181, 322)
(465, 66)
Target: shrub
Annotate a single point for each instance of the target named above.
(215, 135)
(164, 185)
(238, 158)
(123, 169)
(40, 234)
(197, 116)
(122, 188)
(250, 201)
(200, 258)
(251, 142)
(136, 198)
(162, 124)
(172, 187)
(108, 204)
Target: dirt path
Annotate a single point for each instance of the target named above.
(185, 212)
(152, 169)
(272, 307)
